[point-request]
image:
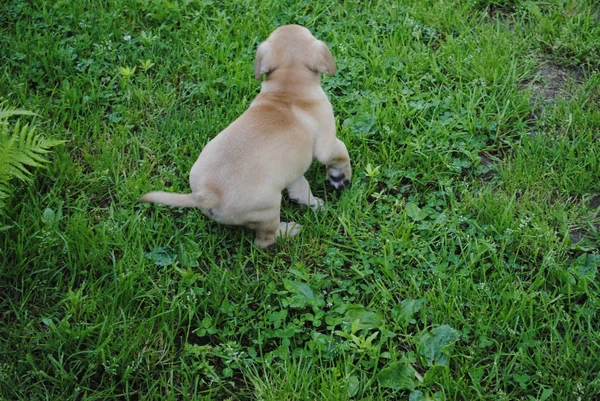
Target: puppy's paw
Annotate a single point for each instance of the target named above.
(317, 203)
(312, 201)
(264, 242)
(290, 229)
(339, 177)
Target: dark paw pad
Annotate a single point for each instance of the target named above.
(337, 177)
(341, 184)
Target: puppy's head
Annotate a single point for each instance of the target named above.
(295, 47)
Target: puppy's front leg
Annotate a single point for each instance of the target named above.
(335, 157)
(300, 192)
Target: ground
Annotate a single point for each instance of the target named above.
(461, 263)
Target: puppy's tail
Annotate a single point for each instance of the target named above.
(203, 199)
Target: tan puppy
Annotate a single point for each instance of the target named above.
(240, 174)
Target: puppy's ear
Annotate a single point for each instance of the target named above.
(323, 60)
(263, 64)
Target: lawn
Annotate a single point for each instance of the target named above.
(461, 264)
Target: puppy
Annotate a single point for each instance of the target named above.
(240, 174)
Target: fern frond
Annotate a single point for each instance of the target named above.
(6, 112)
(20, 148)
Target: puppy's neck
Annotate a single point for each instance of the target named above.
(299, 81)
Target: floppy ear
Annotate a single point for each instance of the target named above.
(263, 63)
(323, 62)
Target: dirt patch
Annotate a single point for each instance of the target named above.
(550, 83)
(578, 234)
(487, 166)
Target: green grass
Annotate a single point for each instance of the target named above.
(448, 270)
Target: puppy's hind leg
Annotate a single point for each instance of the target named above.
(266, 234)
(268, 230)
(289, 229)
(299, 191)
